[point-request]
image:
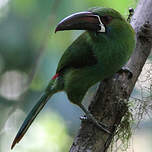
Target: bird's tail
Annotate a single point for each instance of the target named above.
(51, 89)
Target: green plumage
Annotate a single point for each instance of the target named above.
(92, 57)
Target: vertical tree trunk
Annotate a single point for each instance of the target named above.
(109, 104)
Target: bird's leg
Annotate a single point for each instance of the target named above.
(91, 118)
(85, 118)
(126, 70)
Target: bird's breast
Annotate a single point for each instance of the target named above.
(111, 56)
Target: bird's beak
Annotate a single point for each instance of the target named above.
(81, 21)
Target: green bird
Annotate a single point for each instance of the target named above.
(97, 54)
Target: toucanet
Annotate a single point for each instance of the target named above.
(102, 50)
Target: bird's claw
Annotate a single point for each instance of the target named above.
(84, 118)
(126, 70)
(131, 13)
(98, 124)
(145, 32)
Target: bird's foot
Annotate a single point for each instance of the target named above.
(131, 13)
(91, 118)
(127, 71)
(145, 33)
(94, 121)
(84, 118)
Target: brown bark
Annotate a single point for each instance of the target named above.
(109, 103)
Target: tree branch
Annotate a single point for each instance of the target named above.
(109, 104)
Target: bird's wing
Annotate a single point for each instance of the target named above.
(78, 55)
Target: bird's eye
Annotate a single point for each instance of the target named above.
(106, 19)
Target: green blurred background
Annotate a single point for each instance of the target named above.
(29, 53)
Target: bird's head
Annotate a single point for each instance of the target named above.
(98, 20)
